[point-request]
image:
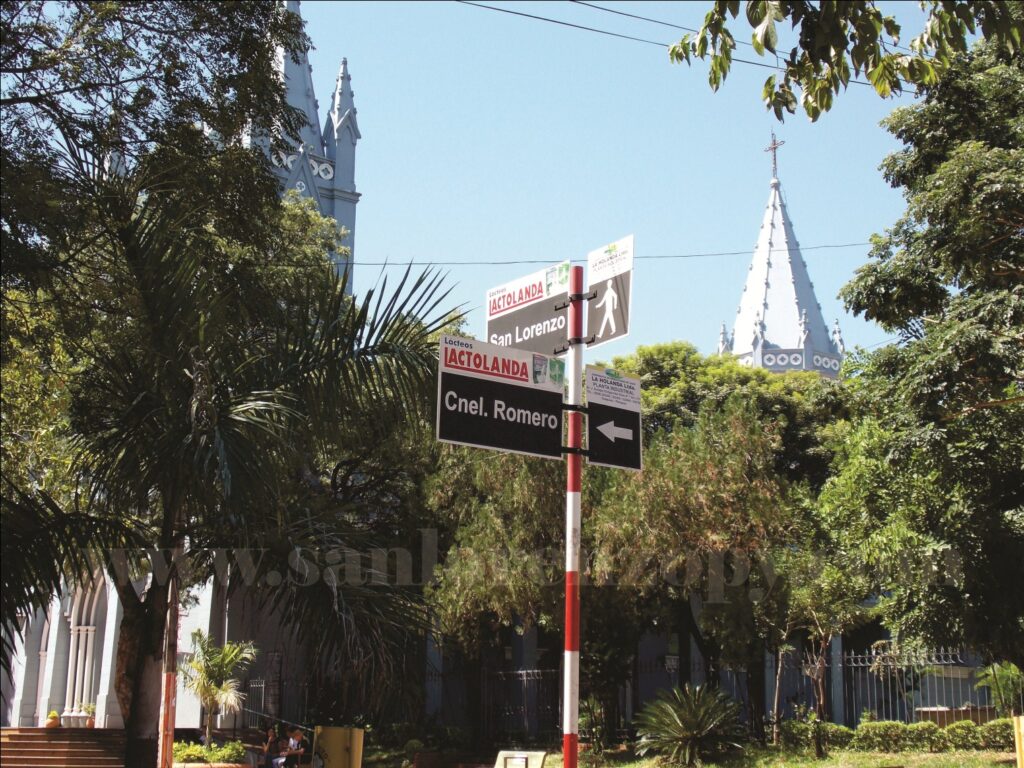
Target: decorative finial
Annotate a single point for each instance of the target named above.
(773, 148)
(837, 338)
(724, 342)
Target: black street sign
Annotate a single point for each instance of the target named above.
(522, 313)
(610, 271)
(499, 398)
(613, 419)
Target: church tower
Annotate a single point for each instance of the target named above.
(779, 325)
(323, 165)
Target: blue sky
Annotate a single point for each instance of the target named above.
(490, 137)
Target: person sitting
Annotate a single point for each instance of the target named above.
(298, 751)
(272, 746)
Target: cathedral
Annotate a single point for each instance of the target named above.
(65, 660)
(779, 325)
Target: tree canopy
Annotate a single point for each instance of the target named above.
(929, 475)
(836, 42)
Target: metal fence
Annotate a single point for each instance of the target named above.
(293, 705)
(522, 705)
(913, 686)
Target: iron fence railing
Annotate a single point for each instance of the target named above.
(523, 705)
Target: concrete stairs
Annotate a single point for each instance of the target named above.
(61, 748)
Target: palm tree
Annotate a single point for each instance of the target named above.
(218, 376)
(209, 674)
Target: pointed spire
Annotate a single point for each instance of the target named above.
(341, 131)
(724, 342)
(342, 113)
(837, 338)
(298, 78)
(779, 323)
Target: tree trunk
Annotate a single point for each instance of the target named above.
(755, 699)
(138, 666)
(777, 701)
(707, 647)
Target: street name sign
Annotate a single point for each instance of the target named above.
(613, 419)
(522, 314)
(610, 271)
(506, 399)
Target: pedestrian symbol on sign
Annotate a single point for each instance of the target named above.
(610, 302)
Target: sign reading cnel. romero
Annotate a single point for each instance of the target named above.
(491, 396)
(522, 313)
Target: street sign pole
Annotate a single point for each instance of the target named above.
(574, 467)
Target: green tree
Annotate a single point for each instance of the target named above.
(209, 672)
(110, 83)
(837, 41)
(929, 477)
(47, 533)
(221, 369)
(734, 458)
(199, 438)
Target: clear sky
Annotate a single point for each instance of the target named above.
(491, 137)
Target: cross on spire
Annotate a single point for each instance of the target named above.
(774, 148)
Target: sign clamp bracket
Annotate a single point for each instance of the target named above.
(576, 408)
(575, 297)
(571, 342)
(573, 450)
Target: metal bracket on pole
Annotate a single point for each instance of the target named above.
(571, 342)
(579, 451)
(572, 407)
(575, 297)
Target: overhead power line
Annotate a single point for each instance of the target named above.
(666, 256)
(678, 26)
(562, 23)
(559, 22)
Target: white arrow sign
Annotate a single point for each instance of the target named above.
(610, 431)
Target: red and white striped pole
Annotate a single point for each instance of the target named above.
(573, 485)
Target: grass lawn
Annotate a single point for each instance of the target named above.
(771, 758)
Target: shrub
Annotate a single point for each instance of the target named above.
(963, 734)
(686, 724)
(926, 737)
(799, 734)
(997, 734)
(880, 736)
(836, 736)
(188, 752)
(796, 734)
(231, 752)
(412, 746)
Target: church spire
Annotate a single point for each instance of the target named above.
(779, 324)
(298, 79)
(341, 130)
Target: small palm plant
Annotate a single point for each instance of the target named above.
(209, 674)
(686, 724)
